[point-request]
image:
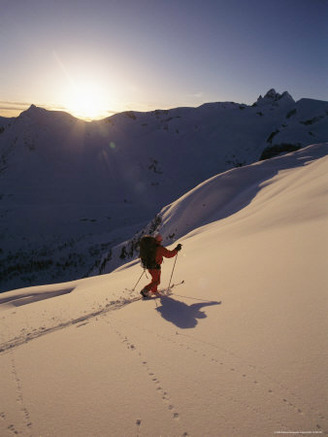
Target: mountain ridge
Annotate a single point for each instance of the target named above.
(69, 187)
(217, 198)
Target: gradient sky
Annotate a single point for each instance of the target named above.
(116, 55)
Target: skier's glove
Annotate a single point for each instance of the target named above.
(179, 247)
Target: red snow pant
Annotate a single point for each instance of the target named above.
(156, 279)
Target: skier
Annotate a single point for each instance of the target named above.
(153, 261)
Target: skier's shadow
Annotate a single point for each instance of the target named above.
(180, 314)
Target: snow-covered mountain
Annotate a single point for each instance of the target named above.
(215, 199)
(72, 190)
(238, 349)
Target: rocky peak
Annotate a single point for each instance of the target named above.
(272, 97)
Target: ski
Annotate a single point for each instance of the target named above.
(161, 293)
(176, 284)
(157, 295)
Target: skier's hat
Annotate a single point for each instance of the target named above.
(158, 238)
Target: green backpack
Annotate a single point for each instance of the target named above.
(147, 252)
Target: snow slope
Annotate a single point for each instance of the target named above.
(71, 191)
(217, 198)
(238, 349)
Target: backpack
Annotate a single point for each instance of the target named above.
(147, 248)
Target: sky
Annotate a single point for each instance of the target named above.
(93, 58)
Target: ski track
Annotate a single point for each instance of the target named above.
(158, 386)
(254, 376)
(113, 305)
(79, 321)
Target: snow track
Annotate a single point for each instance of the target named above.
(161, 390)
(241, 378)
(28, 431)
(79, 321)
(128, 297)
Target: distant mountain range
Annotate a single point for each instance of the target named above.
(71, 191)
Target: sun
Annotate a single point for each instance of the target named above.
(86, 100)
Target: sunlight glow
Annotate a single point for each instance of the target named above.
(86, 100)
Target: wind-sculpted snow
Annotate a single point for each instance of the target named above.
(220, 197)
(229, 193)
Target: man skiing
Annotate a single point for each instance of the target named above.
(154, 260)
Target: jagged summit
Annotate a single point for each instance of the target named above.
(272, 97)
(272, 94)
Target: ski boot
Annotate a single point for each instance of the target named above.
(145, 293)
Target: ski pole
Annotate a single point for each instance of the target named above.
(175, 261)
(139, 279)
